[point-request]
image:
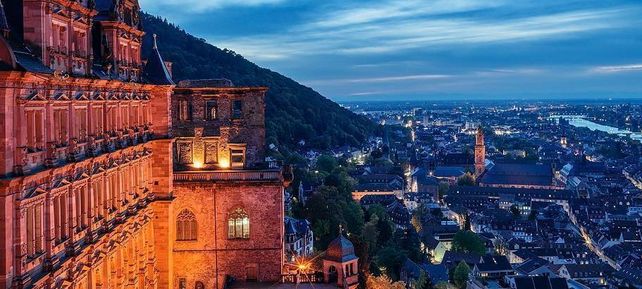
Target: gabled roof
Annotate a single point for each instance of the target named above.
(491, 263)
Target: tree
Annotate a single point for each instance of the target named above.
(443, 189)
(383, 282)
(466, 180)
(533, 215)
(417, 217)
(422, 281)
(444, 285)
(515, 211)
(326, 163)
(391, 258)
(460, 275)
(468, 242)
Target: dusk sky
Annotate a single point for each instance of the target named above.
(429, 50)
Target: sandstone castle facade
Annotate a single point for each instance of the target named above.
(111, 175)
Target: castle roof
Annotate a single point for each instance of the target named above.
(155, 71)
(4, 24)
(340, 250)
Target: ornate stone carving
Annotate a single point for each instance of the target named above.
(211, 152)
(184, 152)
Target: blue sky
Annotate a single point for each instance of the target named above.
(431, 49)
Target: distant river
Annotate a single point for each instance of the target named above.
(581, 121)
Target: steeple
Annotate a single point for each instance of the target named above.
(155, 71)
(480, 152)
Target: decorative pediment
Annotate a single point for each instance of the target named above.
(112, 96)
(97, 96)
(59, 95)
(60, 182)
(97, 168)
(34, 96)
(34, 191)
(81, 174)
(136, 96)
(81, 95)
(146, 96)
(125, 96)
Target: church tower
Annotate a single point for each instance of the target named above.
(480, 152)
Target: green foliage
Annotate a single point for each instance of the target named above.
(443, 189)
(326, 163)
(468, 242)
(422, 281)
(515, 211)
(466, 180)
(460, 275)
(391, 258)
(293, 112)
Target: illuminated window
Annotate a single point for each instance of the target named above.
(238, 225)
(211, 108)
(186, 226)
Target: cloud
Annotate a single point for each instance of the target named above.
(615, 69)
(201, 6)
(371, 35)
(383, 79)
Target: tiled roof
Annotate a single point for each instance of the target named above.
(340, 250)
(519, 174)
(155, 71)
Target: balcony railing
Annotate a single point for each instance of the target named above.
(229, 175)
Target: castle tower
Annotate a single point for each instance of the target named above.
(480, 152)
(340, 264)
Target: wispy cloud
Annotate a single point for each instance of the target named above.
(383, 79)
(617, 68)
(201, 6)
(368, 34)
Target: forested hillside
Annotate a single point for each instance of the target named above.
(294, 112)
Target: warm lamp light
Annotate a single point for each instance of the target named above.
(197, 165)
(224, 163)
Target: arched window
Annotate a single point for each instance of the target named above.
(186, 226)
(199, 285)
(238, 225)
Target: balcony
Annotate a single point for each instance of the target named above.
(273, 175)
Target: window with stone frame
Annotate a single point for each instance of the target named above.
(184, 110)
(34, 230)
(60, 125)
(211, 110)
(186, 226)
(237, 109)
(237, 158)
(184, 152)
(35, 129)
(238, 225)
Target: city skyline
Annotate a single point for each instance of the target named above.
(418, 50)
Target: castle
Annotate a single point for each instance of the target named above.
(113, 176)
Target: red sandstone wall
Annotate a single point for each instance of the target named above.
(215, 254)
